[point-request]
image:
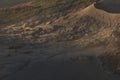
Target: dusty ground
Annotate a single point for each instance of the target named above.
(62, 64)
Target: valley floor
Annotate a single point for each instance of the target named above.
(62, 65)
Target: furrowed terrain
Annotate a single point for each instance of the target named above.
(60, 40)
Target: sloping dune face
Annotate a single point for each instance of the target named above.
(112, 6)
(90, 26)
(87, 26)
(107, 12)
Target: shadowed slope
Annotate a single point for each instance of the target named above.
(109, 5)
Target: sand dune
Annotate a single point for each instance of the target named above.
(73, 59)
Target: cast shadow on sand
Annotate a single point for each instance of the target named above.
(111, 8)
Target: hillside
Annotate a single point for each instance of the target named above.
(10, 3)
(67, 23)
(40, 9)
(61, 31)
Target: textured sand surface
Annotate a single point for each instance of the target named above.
(65, 63)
